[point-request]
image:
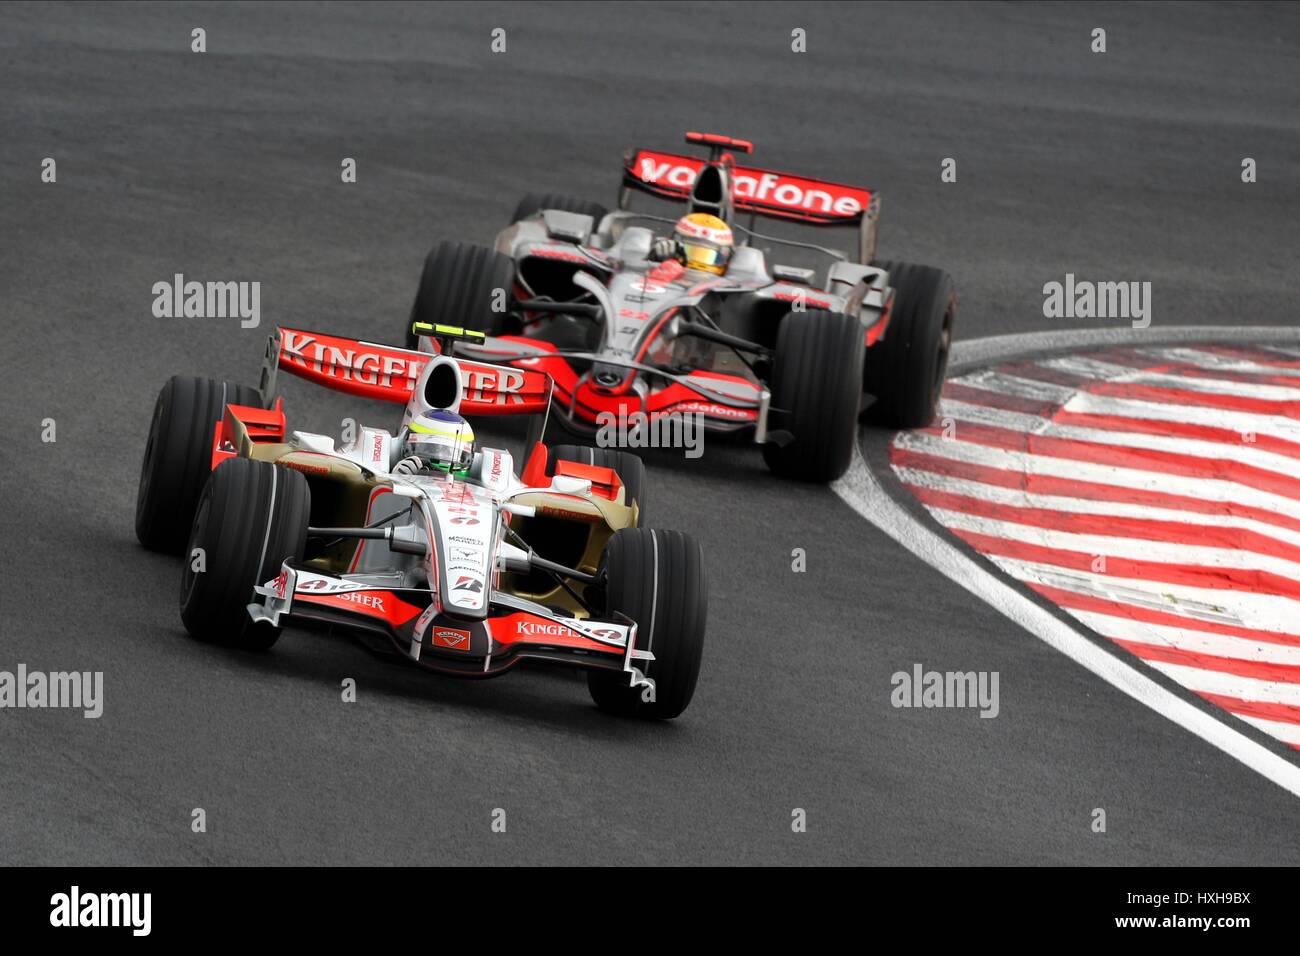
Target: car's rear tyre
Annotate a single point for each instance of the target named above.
(535, 202)
(816, 394)
(462, 285)
(251, 517)
(178, 456)
(905, 370)
(629, 468)
(657, 579)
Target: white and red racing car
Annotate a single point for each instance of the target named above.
(467, 572)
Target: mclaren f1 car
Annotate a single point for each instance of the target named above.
(466, 571)
(792, 341)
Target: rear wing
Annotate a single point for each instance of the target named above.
(762, 192)
(389, 373)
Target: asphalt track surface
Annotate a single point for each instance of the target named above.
(226, 166)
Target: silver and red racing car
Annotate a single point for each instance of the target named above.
(791, 341)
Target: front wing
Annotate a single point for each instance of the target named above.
(413, 622)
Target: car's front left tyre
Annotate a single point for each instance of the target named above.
(251, 517)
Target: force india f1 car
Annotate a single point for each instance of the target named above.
(466, 575)
(793, 354)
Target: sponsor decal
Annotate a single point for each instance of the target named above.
(647, 286)
(544, 629)
(363, 599)
(466, 554)
(343, 360)
(499, 469)
(469, 582)
(372, 369)
(451, 637)
(565, 513)
(717, 411)
(457, 493)
(298, 465)
(327, 585)
(758, 186)
(494, 386)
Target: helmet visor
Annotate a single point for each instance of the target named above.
(702, 253)
(447, 452)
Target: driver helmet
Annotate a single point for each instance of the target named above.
(705, 242)
(442, 440)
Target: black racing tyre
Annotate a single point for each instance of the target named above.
(905, 369)
(459, 286)
(251, 517)
(816, 394)
(535, 202)
(629, 468)
(657, 579)
(178, 456)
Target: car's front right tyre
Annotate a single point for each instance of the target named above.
(251, 517)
